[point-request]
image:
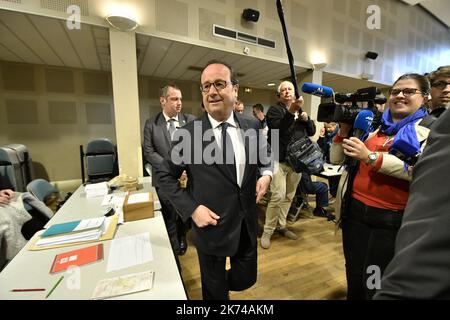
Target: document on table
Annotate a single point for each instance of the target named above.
(129, 251)
(115, 200)
(123, 285)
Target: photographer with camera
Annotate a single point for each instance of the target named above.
(377, 187)
(284, 183)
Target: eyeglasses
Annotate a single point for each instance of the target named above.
(408, 92)
(440, 84)
(218, 84)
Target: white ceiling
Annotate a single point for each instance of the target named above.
(47, 41)
(439, 8)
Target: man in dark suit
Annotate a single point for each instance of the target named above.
(221, 196)
(157, 143)
(420, 268)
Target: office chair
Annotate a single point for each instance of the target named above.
(46, 193)
(101, 160)
(41, 189)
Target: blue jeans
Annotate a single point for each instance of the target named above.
(321, 194)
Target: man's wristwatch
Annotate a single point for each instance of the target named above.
(373, 156)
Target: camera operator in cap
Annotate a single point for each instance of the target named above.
(282, 117)
(440, 90)
(377, 187)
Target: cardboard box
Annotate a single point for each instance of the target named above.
(138, 206)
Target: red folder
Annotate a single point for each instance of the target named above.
(77, 257)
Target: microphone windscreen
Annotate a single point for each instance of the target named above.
(317, 90)
(363, 120)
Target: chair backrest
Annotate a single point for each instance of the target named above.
(41, 189)
(101, 159)
(25, 161)
(10, 170)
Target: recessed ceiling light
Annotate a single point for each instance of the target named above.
(271, 84)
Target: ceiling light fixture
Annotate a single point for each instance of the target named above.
(319, 66)
(271, 84)
(122, 23)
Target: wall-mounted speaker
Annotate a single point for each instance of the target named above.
(371, 55)
(250, 15)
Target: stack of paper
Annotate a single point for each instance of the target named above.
(96, 189)
(73, 231)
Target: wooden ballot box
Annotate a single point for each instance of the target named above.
(138, 206)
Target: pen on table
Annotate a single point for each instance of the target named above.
(54, 287)
(26, 290)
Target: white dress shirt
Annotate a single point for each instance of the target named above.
(236, 140)
(176, 122)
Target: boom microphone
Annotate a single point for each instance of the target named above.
(317, 90)
(288, 48)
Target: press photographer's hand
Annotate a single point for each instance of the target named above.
(296, 105)
(355, 148)
(303, 116)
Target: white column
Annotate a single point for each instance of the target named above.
(126, 101)
(312, 102)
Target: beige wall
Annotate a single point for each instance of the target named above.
(52, 111)
(55, 110)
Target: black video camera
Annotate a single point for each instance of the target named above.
(339, 111)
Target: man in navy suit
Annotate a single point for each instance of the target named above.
(158, 134)
(229, 170)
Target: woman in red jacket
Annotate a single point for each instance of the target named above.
(378, 185)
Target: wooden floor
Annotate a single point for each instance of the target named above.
(311, 267)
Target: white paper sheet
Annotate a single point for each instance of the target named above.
(115, 199)
(123, 285)
(138, 197)
(129, 251)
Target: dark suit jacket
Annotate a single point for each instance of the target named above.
(157, 142)
(420, 268)
(213, 186)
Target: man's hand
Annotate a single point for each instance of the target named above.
(355, 148)
(303, 116)
(296, 105)
(183, 180)
(262, 185)
(5, 196)
(203, 217)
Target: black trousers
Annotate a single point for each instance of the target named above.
(217, 282)
(176, 228)
(368, 236)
